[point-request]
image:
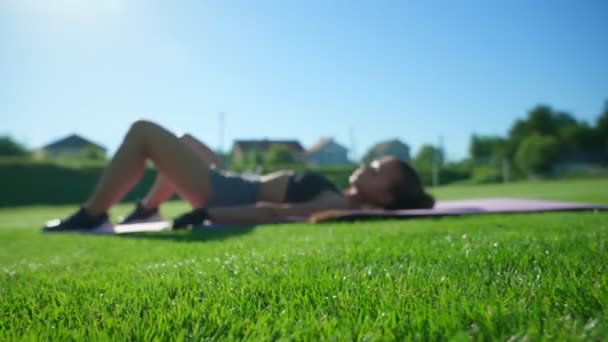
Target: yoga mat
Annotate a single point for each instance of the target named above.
(441, 209)
(466, 207)
(133, 228)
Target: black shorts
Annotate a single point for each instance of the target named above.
(230, 189)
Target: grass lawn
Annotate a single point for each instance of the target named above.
(532, 276)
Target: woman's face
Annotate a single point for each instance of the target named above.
(374, 182)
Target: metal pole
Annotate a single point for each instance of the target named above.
(221, 131)
(505, 170)
(437, 162)
(351, 135)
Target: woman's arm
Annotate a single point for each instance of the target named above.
(266, 212)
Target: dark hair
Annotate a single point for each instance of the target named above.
(409, 192)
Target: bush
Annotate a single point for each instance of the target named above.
(449, 173)
(10, 148)
(27, 182)
(91, 152)
(279, 155)
(536, 153)
(485, 174)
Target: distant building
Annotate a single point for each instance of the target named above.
(393, 147)
(243, 148)
(579, 161)
(327, 152)
(72, 146)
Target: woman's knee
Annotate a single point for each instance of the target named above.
(191, 140)
(143, 128)
(142, 125)
(186, 137)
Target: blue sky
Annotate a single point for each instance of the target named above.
(412, 70)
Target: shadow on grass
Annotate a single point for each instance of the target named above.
(194, 235)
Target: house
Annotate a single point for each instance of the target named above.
(327, 152)
(72, 146)
(244, 148)
(393, 147)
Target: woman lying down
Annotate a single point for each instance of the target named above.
(190, 169)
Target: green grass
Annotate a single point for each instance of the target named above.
(533, 276)
(578, 190)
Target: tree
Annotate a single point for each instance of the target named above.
(253, 158)
(487, 148)
(10, 148)
(601, 128)
(427, 156)
(579, 136)
(539, 120)
(542, 120)
(93, 153)
(536, 153)
(279, 154)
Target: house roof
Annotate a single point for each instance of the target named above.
(265, 144)
(383, 146)
(72, 141)
(320, 144)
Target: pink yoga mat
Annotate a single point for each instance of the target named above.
(442, 208)
(470, 207)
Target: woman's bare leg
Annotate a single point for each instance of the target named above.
(178, 163)
(162, 190)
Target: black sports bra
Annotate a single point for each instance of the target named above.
(306, 186)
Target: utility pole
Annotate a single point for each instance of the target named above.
(437, 161)
(505, 170)
(221, 132)
(351, 135)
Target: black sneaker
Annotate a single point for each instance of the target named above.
(191, 219)
(142, 215)
(80, 221)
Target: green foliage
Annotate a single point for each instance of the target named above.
(11, 148)
(448, 173)
(580, 137)
(251, 161)
(254, 158)
(483, 174)
(279, 154)
(27, 182)
(427, 156)
(572, 136)
(487, 149)
(602, 128)
(536, 153)
(541, 120)
(93, 153)
(570, 133)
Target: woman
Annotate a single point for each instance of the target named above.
(188, 168)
